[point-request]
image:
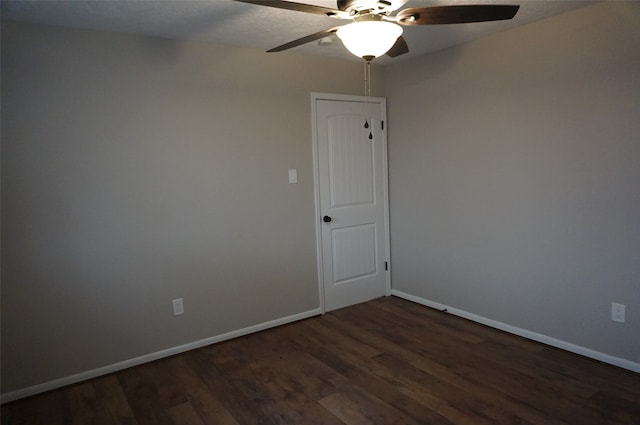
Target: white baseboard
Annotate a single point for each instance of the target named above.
(577, 349)
(90, 374)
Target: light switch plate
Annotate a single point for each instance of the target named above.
(293, 176)
(617, 312)
(178, 307)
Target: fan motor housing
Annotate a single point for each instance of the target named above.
(355, 6)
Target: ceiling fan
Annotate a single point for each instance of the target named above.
(375, 31)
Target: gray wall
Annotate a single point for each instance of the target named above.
(137, 170)
(515, 177)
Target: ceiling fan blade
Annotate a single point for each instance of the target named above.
(399, 48)
(299, 7)
(304, 40)
(459, 14)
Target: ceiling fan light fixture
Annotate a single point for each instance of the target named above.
(369, 39)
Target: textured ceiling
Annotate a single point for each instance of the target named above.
(244, 25)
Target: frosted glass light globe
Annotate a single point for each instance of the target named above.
(369, 39)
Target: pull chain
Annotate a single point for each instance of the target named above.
(367, 78)
(367, 93)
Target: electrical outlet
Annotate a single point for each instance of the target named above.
(617, 312)
(178, 307)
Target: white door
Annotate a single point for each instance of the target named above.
(351, 186)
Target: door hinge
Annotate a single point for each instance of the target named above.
(382, 125)
(386, 265)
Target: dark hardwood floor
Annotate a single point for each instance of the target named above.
(387, 361)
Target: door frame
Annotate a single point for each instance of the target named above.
(316, 184)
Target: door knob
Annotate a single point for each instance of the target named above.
(326, 219)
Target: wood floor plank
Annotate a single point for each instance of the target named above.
(478, 363)
(355, 407)
(207, 407)
(455, 326)
(45, 409)
(402, 354)
(386, 361)
(109, 391)
(520, 413)
(259, 373)
(390, 376)
(476, 366)
(304, 372)
(518, 408)
(241, 408)
(184, 414)
(616, 380)
(151, 391)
